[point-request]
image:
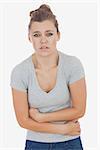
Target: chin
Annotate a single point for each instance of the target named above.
(44, 53)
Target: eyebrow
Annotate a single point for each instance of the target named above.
(49, 31)
(45, 31)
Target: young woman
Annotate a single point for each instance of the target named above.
(49, 89)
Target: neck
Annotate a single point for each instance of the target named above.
(46, 62)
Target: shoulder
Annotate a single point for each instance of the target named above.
(19, 75)
(70, 60)
(22, 67)
(21, 71)
(72, 68)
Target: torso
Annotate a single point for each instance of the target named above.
(46, 79)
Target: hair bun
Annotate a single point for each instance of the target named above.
(45, 8)
(30, 14)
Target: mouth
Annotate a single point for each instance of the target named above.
(45, 48)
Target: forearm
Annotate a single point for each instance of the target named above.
(41, 127)
(61, 115)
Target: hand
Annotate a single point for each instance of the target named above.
(35, 114)
(72, 128)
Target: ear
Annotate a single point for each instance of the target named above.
(29, 38)
(58, 33)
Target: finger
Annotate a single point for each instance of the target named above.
(75, 120)
(77, 124)
(75, 133)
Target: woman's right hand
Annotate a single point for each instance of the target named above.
(71, 128)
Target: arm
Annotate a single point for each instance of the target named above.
(21, 110)
(78, 97)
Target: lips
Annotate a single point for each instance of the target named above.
(43, 47)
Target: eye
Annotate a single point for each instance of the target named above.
(49, 34)
(36, 35)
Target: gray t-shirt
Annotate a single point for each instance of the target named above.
(24, 78)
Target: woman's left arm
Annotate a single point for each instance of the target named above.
(78, 98)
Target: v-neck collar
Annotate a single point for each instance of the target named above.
(57, 76)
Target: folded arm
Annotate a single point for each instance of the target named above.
(78, 99)
(25, 121)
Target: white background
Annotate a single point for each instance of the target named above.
(79, 28)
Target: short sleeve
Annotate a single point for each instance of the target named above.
(76, 70)
(17, 80)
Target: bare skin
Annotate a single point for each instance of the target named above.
(72, 127)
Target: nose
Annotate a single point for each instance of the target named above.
(43, 39)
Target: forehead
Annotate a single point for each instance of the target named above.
(43, 26)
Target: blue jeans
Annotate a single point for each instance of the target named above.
(74, 144)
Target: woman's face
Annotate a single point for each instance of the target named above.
(44, 37)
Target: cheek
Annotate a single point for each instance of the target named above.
(53, 42)
(35, 43)
(52, 39)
